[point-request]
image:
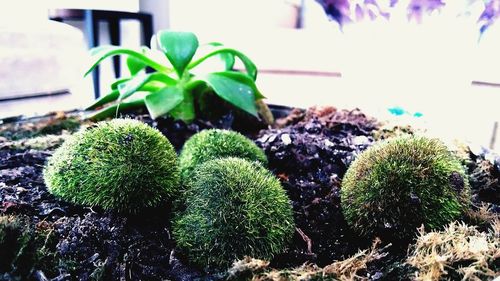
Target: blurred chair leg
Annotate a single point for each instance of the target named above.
(147, 32)
(494, 135)
(92, 30)
(147, 29)
(114, 34)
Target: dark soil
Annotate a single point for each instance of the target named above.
(309, 151)
(311, 155)
(483, 168)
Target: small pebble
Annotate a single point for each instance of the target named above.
(285, 138)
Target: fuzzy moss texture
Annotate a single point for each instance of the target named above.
(123, 165)
(397, 185)
(215, 143)
(235, 208)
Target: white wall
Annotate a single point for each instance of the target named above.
(160, 9)
(216, 15)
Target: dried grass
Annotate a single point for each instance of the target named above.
(458, 249)
(346, 270)
(482, 215)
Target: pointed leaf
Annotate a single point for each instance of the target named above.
(103, 52)
(111, 111)
(133, 85)
(99, 49)
(179, 47)
(134, 64)
(163, 101)
(234, 87)
(114, 85)
(249, 65)
(227, 58)
(114, 95)
(245, 79)
(130, 87)
(185, 110)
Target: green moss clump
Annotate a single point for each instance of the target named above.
(234, 208)
(215, 143)
(395, 186)
(122, 164)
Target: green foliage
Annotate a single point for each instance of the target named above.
(234, 208)
(15, 245)
(174, 86)
(214, 143)
(25, 248)
(122, 164)
(395, 186)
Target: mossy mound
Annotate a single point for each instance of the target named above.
(123, 165)
(234, 208)
(395, 186)
(215, 143)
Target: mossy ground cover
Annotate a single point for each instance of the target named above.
(310, 154)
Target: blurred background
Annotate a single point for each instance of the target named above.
(431, 63)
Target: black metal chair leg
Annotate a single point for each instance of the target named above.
(92, 27)
(91, 20)
(114, 34)
(147, 29)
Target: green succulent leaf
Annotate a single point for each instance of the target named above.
(128, 88)
(163, 101)
(114, 95)
(163, 93)
(179, 47)
(99, 49)
(134, 64)
(234, 87)
(114, 85)
(185, 110)
(111, 111)
(227, 58)
(249, 65)
(103, 52)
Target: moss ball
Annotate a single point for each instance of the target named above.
(214, 143)
(395, 186)
(235, 208)
(123, 165)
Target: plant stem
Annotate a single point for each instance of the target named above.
(264, 111)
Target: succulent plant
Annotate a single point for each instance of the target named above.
(122, 164)
(234, 208)
(215, 143)
(174, 86)
(395, 186)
